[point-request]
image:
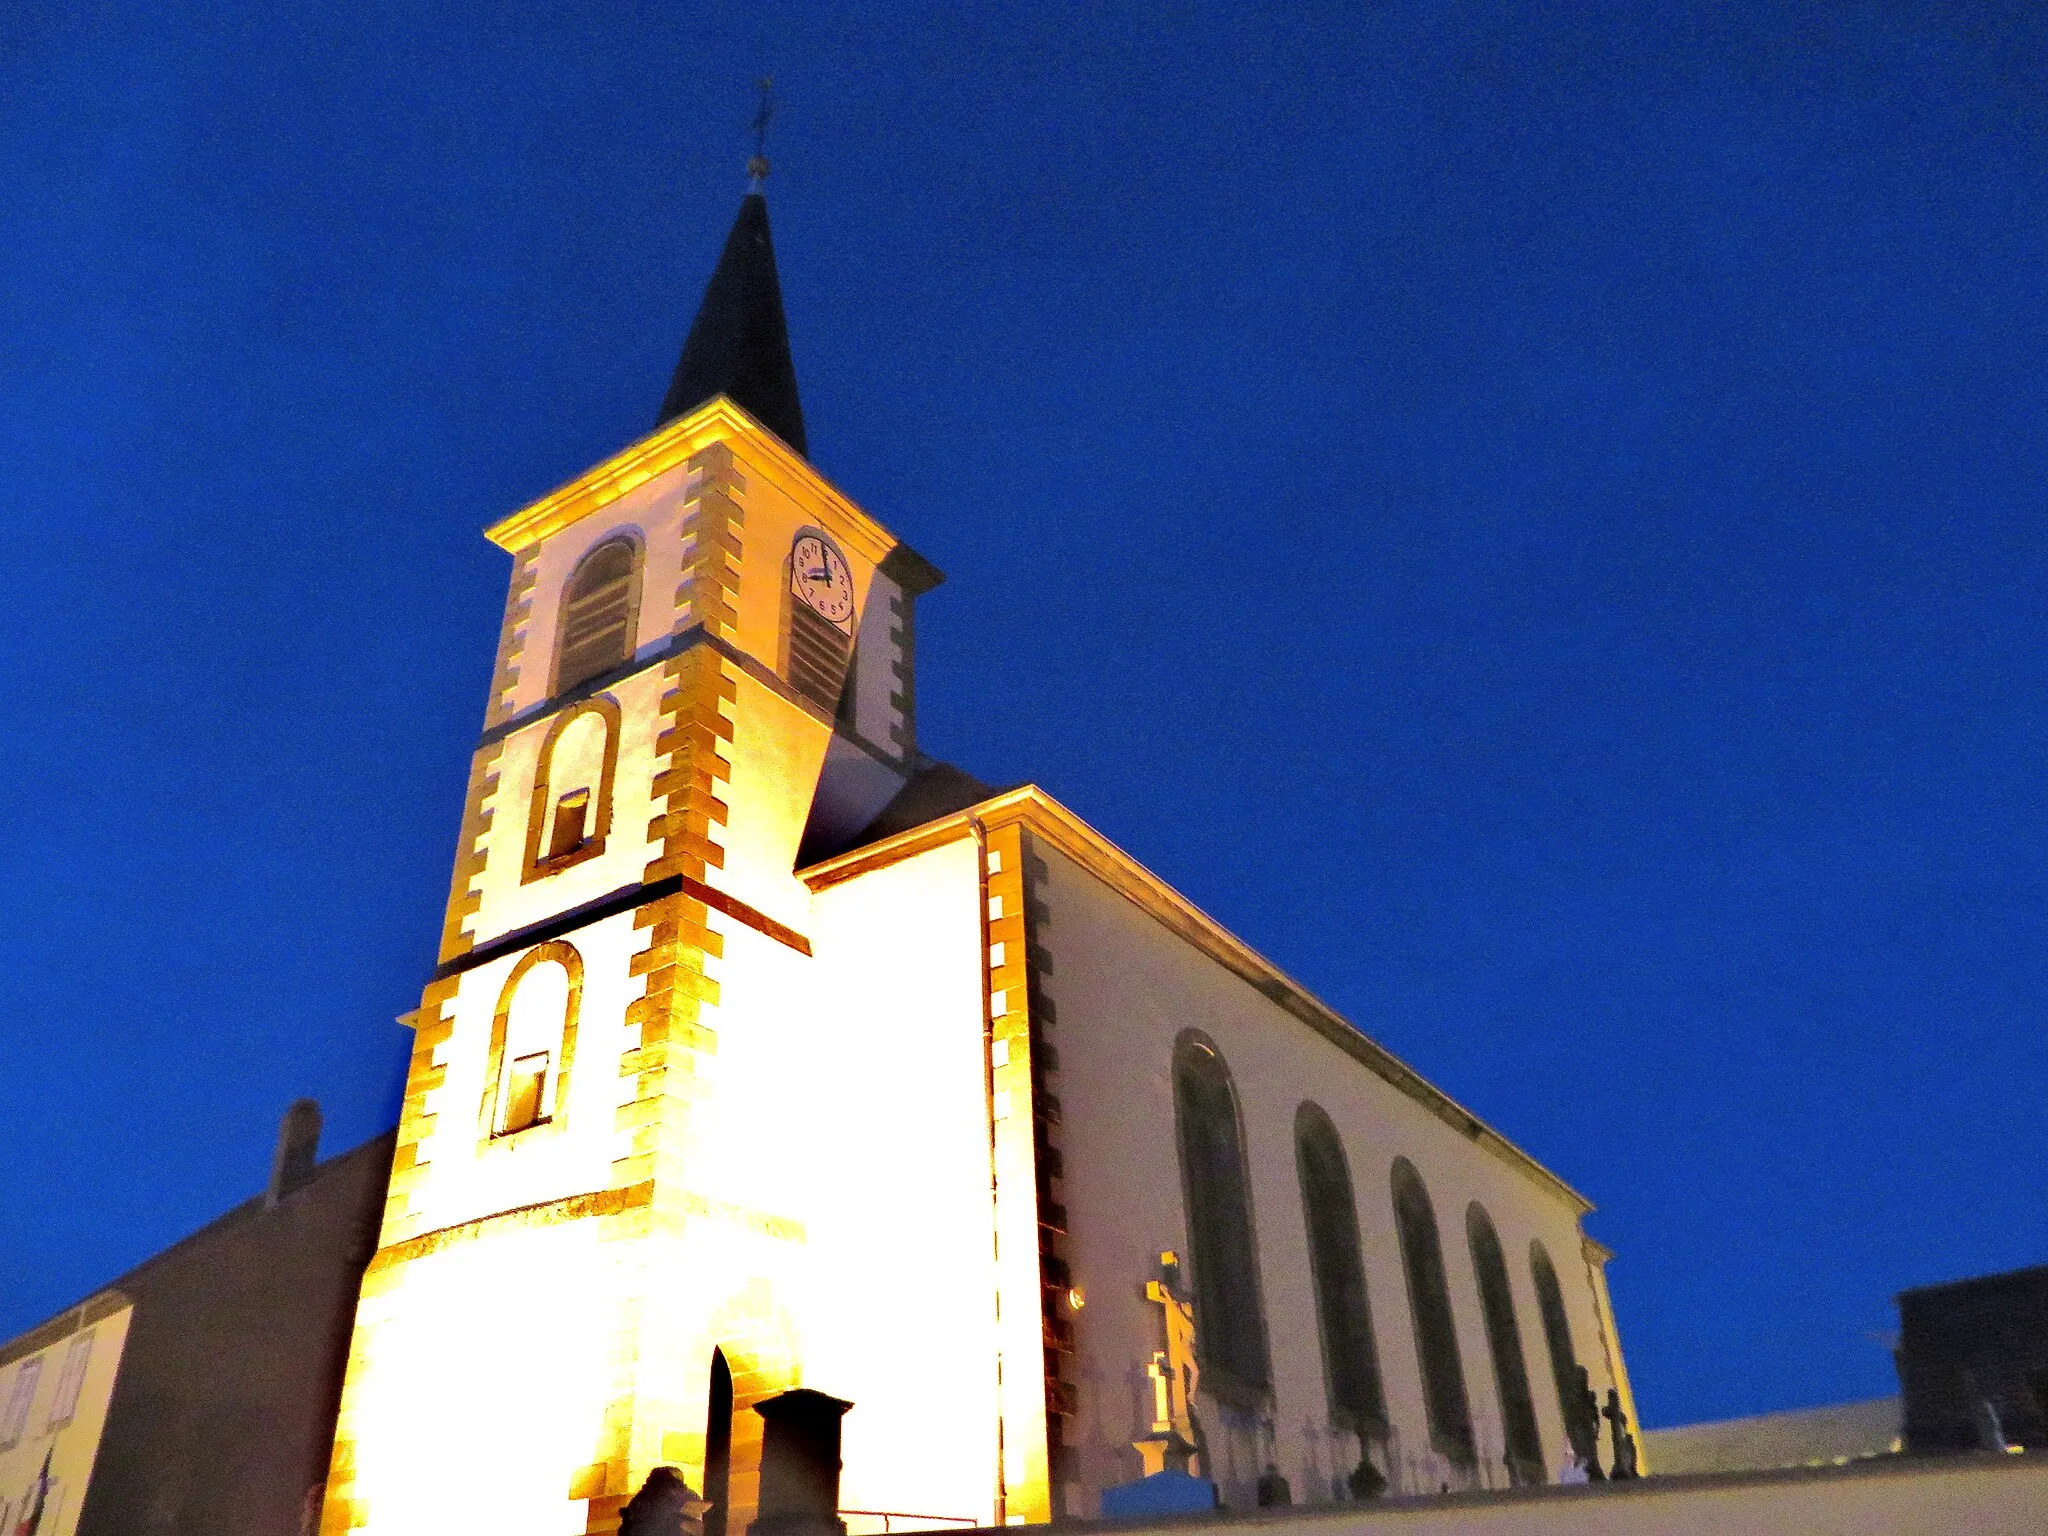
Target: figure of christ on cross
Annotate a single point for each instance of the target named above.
(1174, 1437)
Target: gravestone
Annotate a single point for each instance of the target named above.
(664, 1506)
(1584, 1425)
(1366, 1480)
(1274, 1491)
(800, 1465)
(1624, 1442)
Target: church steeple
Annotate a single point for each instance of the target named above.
(739, 343)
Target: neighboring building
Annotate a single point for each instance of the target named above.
(762, 1049)
(195, 1396)
(1801, 1437)
(55, 1381)
(1973, 1363)
(1972, 1358)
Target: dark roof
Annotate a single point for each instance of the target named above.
(934, 791)
(739, 343)
(2006, 1286)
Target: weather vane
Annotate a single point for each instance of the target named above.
(757, 167)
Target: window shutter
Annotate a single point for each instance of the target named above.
(70, 1382)
(20, 1401)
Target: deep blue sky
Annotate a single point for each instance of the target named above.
(1530, 513)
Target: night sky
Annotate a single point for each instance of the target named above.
(1530, 514)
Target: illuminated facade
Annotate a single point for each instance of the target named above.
(763, 1049)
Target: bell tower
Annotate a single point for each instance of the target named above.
(607, 1189)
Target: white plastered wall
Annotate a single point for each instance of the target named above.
(1125, 987)
(902, 1225)
(494, 1355)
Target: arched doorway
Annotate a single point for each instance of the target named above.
(718, 1445)
(753, 1356)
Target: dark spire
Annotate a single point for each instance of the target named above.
(739, 343)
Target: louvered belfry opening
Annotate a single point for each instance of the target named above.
(819, 654)
(597, 614)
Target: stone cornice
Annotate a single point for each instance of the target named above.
(764, 455)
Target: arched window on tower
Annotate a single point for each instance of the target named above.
(1429, 1306)
(1351, 1361)
(570, 813)
(599, 602)
(1504, 1343)
(1582, 1430)
(1230, 1323)
(533, 1042)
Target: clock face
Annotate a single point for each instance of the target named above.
(820, 576)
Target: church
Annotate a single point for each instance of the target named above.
(766, 1051)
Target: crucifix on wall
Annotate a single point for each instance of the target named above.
(1175, 1375)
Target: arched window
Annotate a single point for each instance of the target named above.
(1429, 1305)
(1564, 1360)
(533, 1042)
(596, 626)
(1230, 1323)
(570, 814)
(1350, 1358)
(1504, 1343)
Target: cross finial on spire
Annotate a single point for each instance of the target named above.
(757, 167)
(738, 345)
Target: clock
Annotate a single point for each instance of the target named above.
(821, 578)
